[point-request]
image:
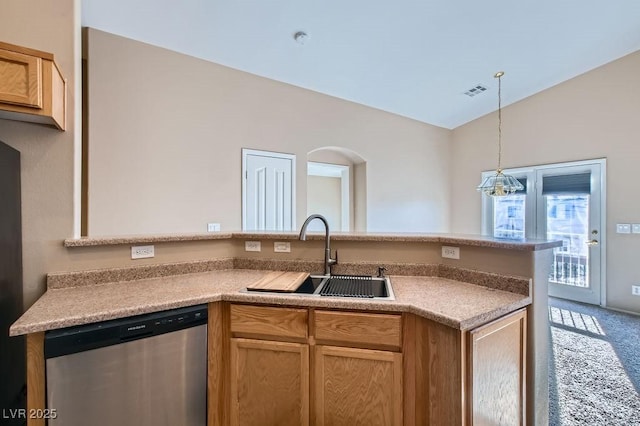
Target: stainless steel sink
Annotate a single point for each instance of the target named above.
(311, 284)
(351, 286)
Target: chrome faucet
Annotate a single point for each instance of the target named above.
(328, 261)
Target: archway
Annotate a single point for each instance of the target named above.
(337, 187)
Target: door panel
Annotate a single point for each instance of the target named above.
(357, 387)
(269, 383)
(268, 191)
(571, 213)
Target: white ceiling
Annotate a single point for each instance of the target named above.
(415, 58)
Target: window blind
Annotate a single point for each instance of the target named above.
(567, 184)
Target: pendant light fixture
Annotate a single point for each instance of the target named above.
(499, 184)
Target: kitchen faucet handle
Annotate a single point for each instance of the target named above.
(381, 271)
(332, 261)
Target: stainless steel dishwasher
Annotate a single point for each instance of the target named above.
(144, 370)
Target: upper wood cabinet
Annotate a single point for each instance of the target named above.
(31, 87)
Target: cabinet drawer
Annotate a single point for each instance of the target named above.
(352, 327)
(267, 321)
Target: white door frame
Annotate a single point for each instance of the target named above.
(559, 290)
(532, 208)
(246, 152)
(339, 171)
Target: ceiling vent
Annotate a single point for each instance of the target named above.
(475, 90)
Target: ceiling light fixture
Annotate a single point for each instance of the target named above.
(300, 37)
(499, 184)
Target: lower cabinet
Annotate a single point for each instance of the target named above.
(496, 372)
(269, 383)
(357, 386)
(293, 366)
(475, 377)
(309, 375)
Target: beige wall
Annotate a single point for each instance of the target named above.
(325, 198)
(166, 131)
(47, 155)
(594, 115)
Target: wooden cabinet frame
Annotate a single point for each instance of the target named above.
(442, 366)
(500, 343)
(33, 88)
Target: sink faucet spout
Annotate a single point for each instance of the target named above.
(328, 261)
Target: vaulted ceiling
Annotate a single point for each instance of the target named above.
(415, 58)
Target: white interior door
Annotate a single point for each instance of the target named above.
(268, 191)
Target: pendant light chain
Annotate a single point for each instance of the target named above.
(499, 184)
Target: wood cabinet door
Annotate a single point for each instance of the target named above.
(357, 387)
(20, 79)
(269, 383)
(32, 87)
(497, 369)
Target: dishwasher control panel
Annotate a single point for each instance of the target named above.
(91, 336)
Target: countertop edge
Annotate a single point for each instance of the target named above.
(461, 239)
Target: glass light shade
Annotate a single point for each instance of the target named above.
(499, 185)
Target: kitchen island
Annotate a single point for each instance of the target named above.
(439, 306)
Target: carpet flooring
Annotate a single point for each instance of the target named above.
(594, 366)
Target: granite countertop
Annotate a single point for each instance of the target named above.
(453, 303)
(462, 239)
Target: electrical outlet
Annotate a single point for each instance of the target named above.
(252, 246)
(451, 252)
(142, 252)
(635, 290)
(281, 247)
(635, 228)
(213, 227)
(623, 228)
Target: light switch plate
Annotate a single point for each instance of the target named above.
(623, 228)
(635, 228)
